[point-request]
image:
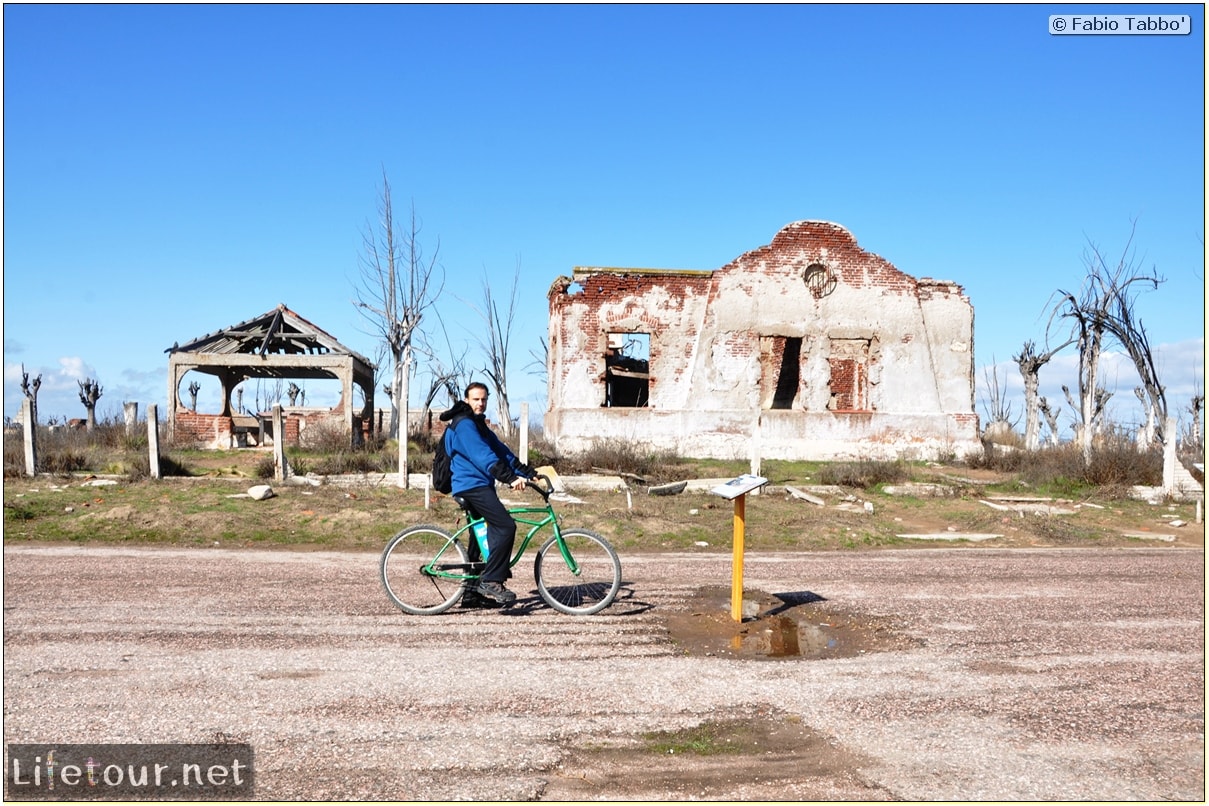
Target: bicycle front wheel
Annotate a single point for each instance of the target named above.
(413, 568)
(583, 581)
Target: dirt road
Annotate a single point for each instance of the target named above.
(980, 674)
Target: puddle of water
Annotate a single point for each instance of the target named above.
(816, 640)
(803, 633)
(782, 637)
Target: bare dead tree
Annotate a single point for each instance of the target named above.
(390, 396)
(499, 335)
(1125, 326)
(1197, 407)
(1146, 433)
(447, 379)
(1051, 419)
(540, 365)
(291, 392)
(441, 381)
(393, 296)
(268, 394)
(1088, 333)
(446, 368)
(1100, 313)
(30, 390)
(1193, 440)
(1098, 404)
(90, 393)
(194, 388)
(1000, 416)
(1030, 363)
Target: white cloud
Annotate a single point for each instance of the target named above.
(73, 369)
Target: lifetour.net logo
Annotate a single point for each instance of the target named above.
(128, 772)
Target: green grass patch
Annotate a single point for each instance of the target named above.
(706, 739)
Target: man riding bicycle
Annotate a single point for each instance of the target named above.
(478, 459)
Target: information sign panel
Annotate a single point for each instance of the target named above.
(739, 486)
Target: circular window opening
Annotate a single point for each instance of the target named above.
(819, 279)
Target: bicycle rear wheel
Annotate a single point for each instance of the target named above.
(409, 565)
(591, 586)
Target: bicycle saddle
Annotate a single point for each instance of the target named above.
(470, 511)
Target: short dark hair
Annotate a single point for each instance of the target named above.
(475, 385)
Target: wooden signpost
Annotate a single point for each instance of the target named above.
(737, 489)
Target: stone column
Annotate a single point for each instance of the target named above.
(1169, 461)
(130, 411)
(153, 440)
(281, 469)
(30, 421)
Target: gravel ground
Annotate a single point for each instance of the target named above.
(1028, 675)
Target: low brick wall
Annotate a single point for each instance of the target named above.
(216, 431)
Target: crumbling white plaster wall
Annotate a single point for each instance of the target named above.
(884, 368)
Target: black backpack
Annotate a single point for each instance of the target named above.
(442, 473)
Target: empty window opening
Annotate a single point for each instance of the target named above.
(780, 371)
(627, 370)
(787, 378)
(849, 382)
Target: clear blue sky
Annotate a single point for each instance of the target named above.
(171, 170)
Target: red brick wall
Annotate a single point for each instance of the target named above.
(849, 384)
(205, 429)
(215, 429)
(808, 240)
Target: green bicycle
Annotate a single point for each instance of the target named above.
(425, 570)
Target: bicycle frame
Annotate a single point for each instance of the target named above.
(549, 518)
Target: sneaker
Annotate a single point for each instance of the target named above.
(496, 592)
(472, 599)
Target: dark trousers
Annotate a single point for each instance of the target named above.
(501, 533)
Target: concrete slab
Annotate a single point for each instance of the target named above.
(976, 537)
(1150, 536)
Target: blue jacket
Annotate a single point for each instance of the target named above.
(477, 456)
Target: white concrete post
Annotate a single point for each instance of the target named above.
(1169, 440)
(31, 441)
(280, 469)
(755, 449)
(130, 411)
(153, 441)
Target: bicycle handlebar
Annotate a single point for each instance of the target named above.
(544, 491)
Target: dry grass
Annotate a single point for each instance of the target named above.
(195, 504)
(210, 510)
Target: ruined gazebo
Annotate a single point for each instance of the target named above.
(278, 344)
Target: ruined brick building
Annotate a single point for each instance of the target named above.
(807, 348)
